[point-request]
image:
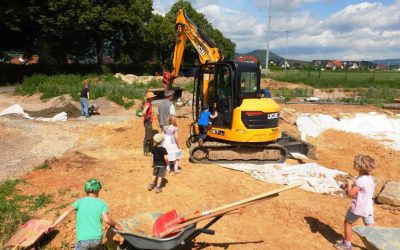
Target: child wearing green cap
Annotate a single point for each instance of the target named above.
(90, 213)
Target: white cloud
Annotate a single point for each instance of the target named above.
(283, 5)
(373, 15)
(367, 30)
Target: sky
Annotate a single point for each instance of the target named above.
(316, 29)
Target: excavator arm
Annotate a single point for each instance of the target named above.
(206, 48)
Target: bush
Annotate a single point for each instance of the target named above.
(107, 86)
(11, 74)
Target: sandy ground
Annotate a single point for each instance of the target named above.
(109, 147)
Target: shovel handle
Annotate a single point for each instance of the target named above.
(211, 211)
(219, 213)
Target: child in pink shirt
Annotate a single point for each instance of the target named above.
(361, 192)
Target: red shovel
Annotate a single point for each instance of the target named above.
(171, 219)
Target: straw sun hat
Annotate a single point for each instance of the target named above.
(150, 95)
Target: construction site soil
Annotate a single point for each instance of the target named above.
(109, 147)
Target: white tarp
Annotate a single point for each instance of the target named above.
(316, 178)
(372, 125)
(17, 109)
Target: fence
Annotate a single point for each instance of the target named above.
(345, 79)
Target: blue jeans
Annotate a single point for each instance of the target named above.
(84, 106)
(87, 244)
(203, 132)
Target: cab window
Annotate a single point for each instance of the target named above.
(248, 82)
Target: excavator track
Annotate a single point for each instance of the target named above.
(220, 152)
(259, 153)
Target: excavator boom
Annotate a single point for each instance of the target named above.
(206, 48)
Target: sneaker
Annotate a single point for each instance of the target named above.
(151, 186)
(343, 246)
(177, 172)
(147, 153)
(158, 190)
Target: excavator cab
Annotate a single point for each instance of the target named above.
(219, 92)
(233, 90)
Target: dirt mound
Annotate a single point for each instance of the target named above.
(73, 160)
(71, 110)
(336, 150)
(112, 152)
(58, 102)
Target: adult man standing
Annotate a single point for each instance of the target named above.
(165, 109)
(84, 100)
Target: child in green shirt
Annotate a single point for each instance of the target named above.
(90, 213)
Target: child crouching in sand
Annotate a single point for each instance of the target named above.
(361, 192)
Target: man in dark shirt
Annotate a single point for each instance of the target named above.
(84, 99)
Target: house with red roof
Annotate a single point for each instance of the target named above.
(246, 59)
(381, 67)
(334, 65)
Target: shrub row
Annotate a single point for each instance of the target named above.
(11, 74)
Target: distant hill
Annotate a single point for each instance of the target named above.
(261, 55)
(388, 61)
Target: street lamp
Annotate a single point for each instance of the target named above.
(287, 41)
(269, 28)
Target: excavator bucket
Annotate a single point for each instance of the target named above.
(159, 92)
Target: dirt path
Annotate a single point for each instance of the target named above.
(109, 147)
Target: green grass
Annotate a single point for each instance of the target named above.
(340, 79)
(382, 87)
(107, 86)
(372, 87)
(288, 94)
(44, 165)
(16, 209)
(374, 95)
(186, 87)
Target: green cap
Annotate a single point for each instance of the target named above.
(92, 186)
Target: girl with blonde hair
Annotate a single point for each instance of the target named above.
(361, 191)
(171, 143)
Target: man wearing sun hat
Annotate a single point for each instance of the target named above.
(148, 122)
(166, 109)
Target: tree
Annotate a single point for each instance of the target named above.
(57, 28)
(226, 46)
(159, 35)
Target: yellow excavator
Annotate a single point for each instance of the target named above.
(247, 125)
